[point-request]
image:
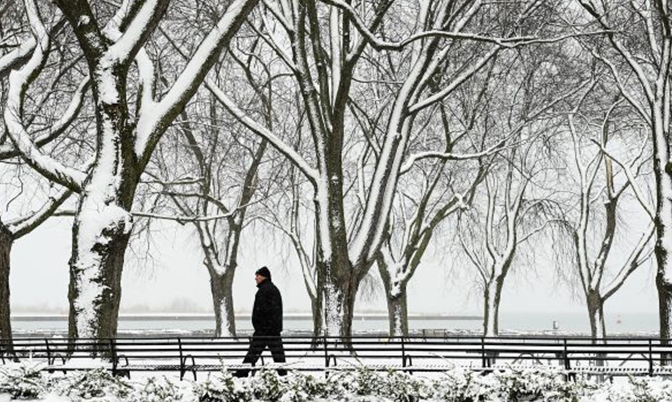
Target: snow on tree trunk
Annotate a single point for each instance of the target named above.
(340, 291)
(221, 286)
(492, 297)
(6, 241)
(333, 262)
(395, 293)
(397, 311)
(101, 232)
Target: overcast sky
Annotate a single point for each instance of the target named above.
(177, 279)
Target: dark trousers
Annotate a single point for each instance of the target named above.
(257, 345)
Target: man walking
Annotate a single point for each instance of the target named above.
(267, 322)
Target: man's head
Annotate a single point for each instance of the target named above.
(262, 274)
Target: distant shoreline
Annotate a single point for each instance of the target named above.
(208, 316)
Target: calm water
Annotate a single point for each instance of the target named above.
(569, 323)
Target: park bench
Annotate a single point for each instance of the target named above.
(122, 356)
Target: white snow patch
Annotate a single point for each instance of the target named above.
(106, 83)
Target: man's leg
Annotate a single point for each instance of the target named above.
(278, 352)
(253, 352)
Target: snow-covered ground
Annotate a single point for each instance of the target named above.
(26, 382)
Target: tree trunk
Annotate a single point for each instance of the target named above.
(664, 277)
(595, 305)
(340, 292)
(101, 232)
(341, 278)
(95, 284)
(221, 285)
(6, 241)
(317, 305)
(397, 311)
(662, 171)
(397, 306)
(492, 299)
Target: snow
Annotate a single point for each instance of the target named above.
(333, 304)
(106, 83)
(360, 385)
(190, 76)
(18, 84)
(84, 20)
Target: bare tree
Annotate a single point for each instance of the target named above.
(213, 195)
(638, 56)
(125, 137)
(10, 231)
(594, 213)
(427, 196)
(513, 208)
(324, 59)
(55, 108)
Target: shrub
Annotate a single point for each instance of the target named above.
(575, 390)
(528, 384)
(638, 390)
(224, 388)
(95, 383)
(304, 388)
(22, 381)
(402, 387)
(267, 386)
(161, 389)
(459, 385)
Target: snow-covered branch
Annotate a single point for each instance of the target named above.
(19, 80)
(16, 57)
(453, 156)
(504, 42)
(58, 127)
(639, 255)
(154, 118)
(631, 178)
(182, 219)
(24, 225)
(282, 147)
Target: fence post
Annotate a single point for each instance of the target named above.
(113, 355)
(326, 352)
(483, 358)
(565, 355)
(650, 357)
(403, 353)
(182, 359)
(46, 342)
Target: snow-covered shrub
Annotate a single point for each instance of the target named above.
(402, 387)
(575, 390)
(22, 381)
(527, 384)
(96, 383)
(361, 382)
(304, 388)
(461, 385)
(267, 386)
(222, 387)
(161, 389)
(638, 390)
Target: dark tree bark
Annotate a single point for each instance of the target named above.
(6, 242)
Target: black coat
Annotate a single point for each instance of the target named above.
(267, 310)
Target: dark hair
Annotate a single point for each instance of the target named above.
(263, 271)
